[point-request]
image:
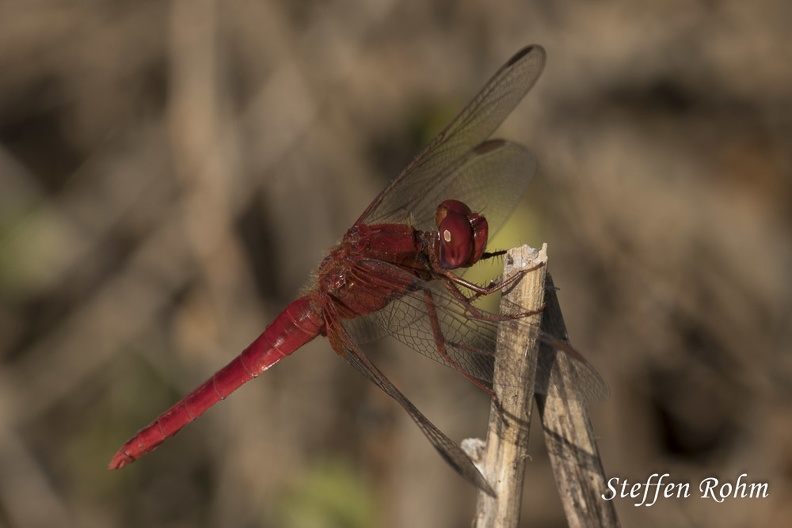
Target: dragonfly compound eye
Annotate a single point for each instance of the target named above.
(463, 234)
(456, 241)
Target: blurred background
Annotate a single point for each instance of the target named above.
(172, 171)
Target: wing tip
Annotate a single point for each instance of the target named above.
(534, 49)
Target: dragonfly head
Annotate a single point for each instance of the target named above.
(462, 234)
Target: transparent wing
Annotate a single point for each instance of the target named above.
(451, 452)
(490, 179)
(426, 181)
(437, 324)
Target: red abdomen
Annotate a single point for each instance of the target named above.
(299, 323)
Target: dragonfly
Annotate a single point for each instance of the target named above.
(398, 272)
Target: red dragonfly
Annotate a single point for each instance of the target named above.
(393, 273)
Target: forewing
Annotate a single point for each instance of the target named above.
(490, 179)
(425, 177)
(431, 320)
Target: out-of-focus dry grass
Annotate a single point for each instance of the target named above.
(170, 172)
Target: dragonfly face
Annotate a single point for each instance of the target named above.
(462, 235)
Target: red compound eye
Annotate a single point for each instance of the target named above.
(463, 234)
(456, 241)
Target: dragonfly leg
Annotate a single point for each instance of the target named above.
(451, 286)
(494, 286)
(489, 255)
(441, 343)
(498, 283)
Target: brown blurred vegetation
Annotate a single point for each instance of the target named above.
(170, 173)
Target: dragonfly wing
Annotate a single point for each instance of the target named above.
(451, 452)
(427, 173)
(575, 373)
(490, 179)
(441, 326)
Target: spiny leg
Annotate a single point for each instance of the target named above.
(440, 342)
(451, 286)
